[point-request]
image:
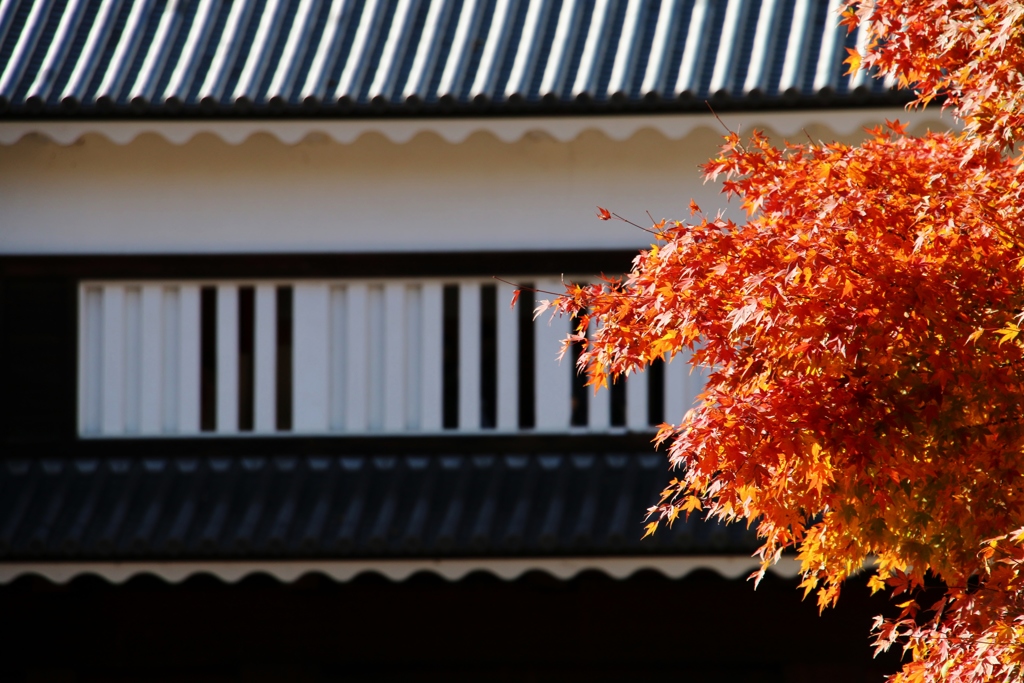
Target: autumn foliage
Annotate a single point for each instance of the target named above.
(865, 399)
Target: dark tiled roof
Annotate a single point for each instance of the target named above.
(342, 507)
(372, 57)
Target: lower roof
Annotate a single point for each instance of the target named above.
(501, 505)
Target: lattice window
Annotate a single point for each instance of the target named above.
(343, 357)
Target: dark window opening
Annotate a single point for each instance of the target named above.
(283, 374)
(246, 362)
(450, 370)
(527, 405)
(618, 401)
(489, 356)
(656, 392)
(208, 359)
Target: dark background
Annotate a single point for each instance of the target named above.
(537, 628)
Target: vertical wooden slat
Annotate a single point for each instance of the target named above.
(636, 401)
(431, 365)
(90, 372)
(132, 359)
(309, 360)
(188, 385)
(394, 357)
(151, 376)
(676, 400)
(265, 356)
(130, 341)
(336, 361)
(227, 359)
(553, 380)
(356, 372)
(170, 361)
(469, 356)
(375, 358)
(413, 356)
(508, 360)
(113, 360)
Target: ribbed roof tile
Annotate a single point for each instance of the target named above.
(370, 57)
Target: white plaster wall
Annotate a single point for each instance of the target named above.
(206, 195)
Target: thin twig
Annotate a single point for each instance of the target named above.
(626, 220)
(524, 288)
(654, 222)
(715, 114)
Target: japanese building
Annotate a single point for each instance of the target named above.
(265, 411)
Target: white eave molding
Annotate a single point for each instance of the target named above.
(287, 571)
(840, 122)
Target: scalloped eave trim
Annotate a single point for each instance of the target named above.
(399, 131)
(287, 571)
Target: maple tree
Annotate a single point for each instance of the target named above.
(862, 334)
